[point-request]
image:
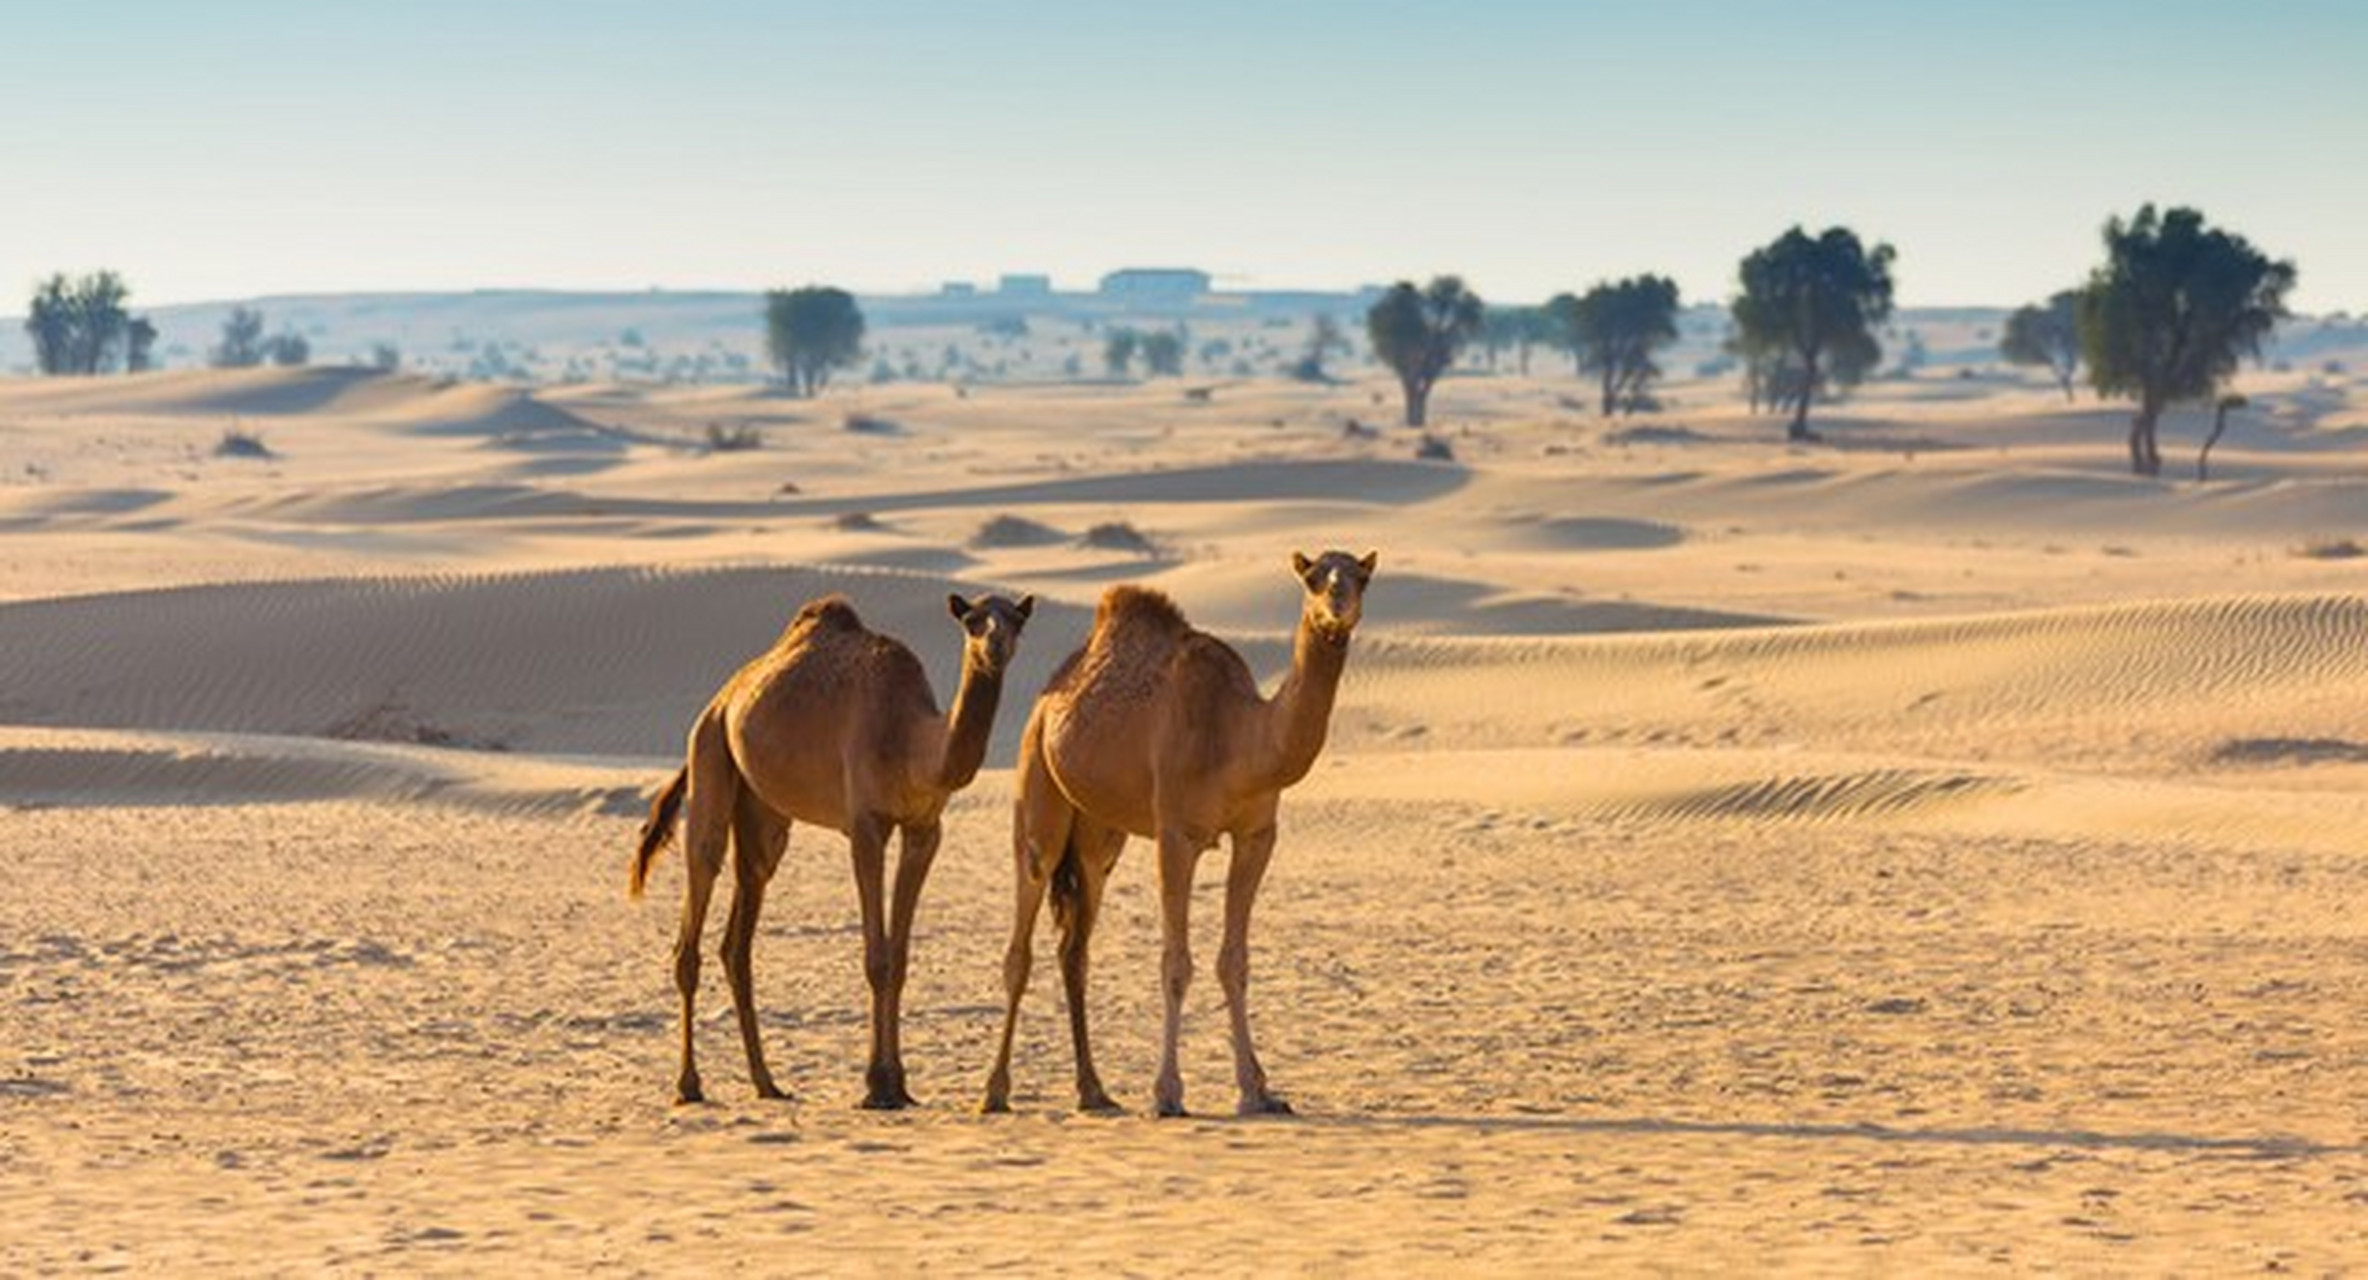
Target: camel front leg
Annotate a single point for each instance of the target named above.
(1251, 852)
(1177, 855)
(867, 841)
(918, 849)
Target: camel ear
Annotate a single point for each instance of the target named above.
(957, 606)
(1300, 564)
(1027, 607)
(1371, 559)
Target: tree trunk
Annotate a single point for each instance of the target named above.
(1799, 430)
(2145, 455)
(1611, 392)
(1418, 401)
(2203, 456)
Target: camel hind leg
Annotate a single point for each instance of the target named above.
(714, 790)
(1040, 828)
(1093, 851)
(758, 837)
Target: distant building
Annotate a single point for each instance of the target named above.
(1024, 286)
(1159, 285)
(957, 289)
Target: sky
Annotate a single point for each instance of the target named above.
(242, 148)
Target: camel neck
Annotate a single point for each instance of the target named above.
(969, 725)
(1301, 712)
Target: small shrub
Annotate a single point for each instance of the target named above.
(1434, 449)
(1015, 531)
(856, 522)
(237, 442)
(866, 424)
(1118, 535)
(2331, 549)
(738, 438)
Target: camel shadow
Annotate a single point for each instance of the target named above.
(2262, 1147)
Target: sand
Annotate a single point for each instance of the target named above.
(1931, 850)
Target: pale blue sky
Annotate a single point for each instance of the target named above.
(244, 147)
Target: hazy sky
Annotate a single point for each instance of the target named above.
(243, 147)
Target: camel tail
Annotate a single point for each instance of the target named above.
(658, 830)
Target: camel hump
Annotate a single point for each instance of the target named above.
(833, 611)
(1125, 606)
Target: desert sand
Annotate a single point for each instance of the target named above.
(1929, 850)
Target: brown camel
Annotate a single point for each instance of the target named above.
(834, 725)
(1156, 729)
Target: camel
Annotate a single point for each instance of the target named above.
(834, 725)
(1156, 729)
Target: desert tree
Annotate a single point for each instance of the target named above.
(1324, 340)
(2170, 314)
(2047, 335)
(1515, 329)
(1808, 312)
(79, 325)
(1118, 351)
(287, 349)
(1612, 332)
(811, 331)
(241, 346)
(139, 345)
(1419, 333)
(1163, 353)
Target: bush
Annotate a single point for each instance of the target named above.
(2331, 549)
(237, 442)
(738, 438)
(1118, 535)
(866, 424)
(1015, 531)
(1434, 449)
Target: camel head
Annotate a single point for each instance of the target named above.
(1335, 585)
(993, 625)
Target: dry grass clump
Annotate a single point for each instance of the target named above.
(2331, 549)
(737, 438)
(238, 442)
(1016, 531)
(1118, 535)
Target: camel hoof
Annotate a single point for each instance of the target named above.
(768, 1093)
(888, 1100)
(1172, 1111)
(1269, 1105)
(994, 1106)
(1102, 1104)
(689, 1098)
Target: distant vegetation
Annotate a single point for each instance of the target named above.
(2046, 335)
(1805, 321)
(1324, 341)
(81, 326)
(1612, 332)
(2173, 309)
(811, 332)
(1419, 333)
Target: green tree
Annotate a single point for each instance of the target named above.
(1419, 333)
(1810, 306)
(1118, 351)
(811, 331)
(2173, 310)
(79, 326)
(2047, 335)
(1515, 329)
(139, 345)
(1324, 340)
(1612, 332)
(242, 340)
(1163, 353)
(287, 349)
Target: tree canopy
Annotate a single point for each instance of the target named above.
(1806, 318)
(1612, 332)
(2047, 335)
(242, 340)
(1419, 333)
(2170, 314)
(811, 331)
(80, 326)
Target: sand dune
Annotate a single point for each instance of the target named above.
(1930, 851)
